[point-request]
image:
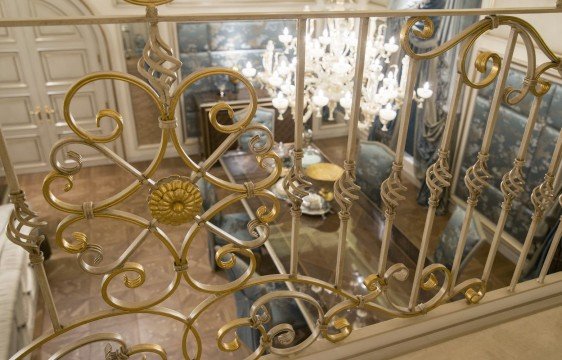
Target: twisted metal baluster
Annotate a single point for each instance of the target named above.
(294, 183)
(392, 187)
(438, 177)
(512, 186)
(345, 187)
(158, 65)
(477, 175)
(23, 218)
(542, 198)
(553, 248)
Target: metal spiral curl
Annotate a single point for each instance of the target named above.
(428, 281)
(476, 178)
(134, 276)
(380, 287)
(473, 290)
(397, 272)
(158, 64)
(263, 136)
(345, 188)
(391, 189)
(23, 217)
(96, 252)
(259, 230)
(295, 183)
(259, 316)
(513, 182)
(438, 177)
(225, 258)
(536, 84)
(543, 196)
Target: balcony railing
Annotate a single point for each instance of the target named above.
(177, 200)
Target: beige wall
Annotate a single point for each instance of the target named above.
(548, 25)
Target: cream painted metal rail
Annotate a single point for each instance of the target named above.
(177, 200)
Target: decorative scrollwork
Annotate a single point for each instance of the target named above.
(259, 316)
(428, 281)
(481, 65)
(177, 201)
(262, 140)
(123, 352)
(473, 290)
(422, 27)
(134, 276)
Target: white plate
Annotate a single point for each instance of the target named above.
(324, 205)
(279, 191)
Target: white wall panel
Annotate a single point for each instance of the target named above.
(15, 111)
(11, 74)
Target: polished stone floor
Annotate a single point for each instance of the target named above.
(77, 293)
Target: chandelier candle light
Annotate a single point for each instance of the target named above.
(329, 72)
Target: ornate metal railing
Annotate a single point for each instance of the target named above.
(177, 200)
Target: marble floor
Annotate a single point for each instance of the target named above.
(77, 293)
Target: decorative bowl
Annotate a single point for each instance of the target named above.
(325, 172)
(324, 175)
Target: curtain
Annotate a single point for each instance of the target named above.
(429, 122)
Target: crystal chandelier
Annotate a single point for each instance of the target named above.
(329, 70)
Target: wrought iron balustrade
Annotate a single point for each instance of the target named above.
(177, 200)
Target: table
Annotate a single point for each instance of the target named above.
(319, 239)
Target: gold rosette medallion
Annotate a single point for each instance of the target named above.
(175, 200)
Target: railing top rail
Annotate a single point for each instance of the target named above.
(260, 15)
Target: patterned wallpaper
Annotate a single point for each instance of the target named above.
(222, 44)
